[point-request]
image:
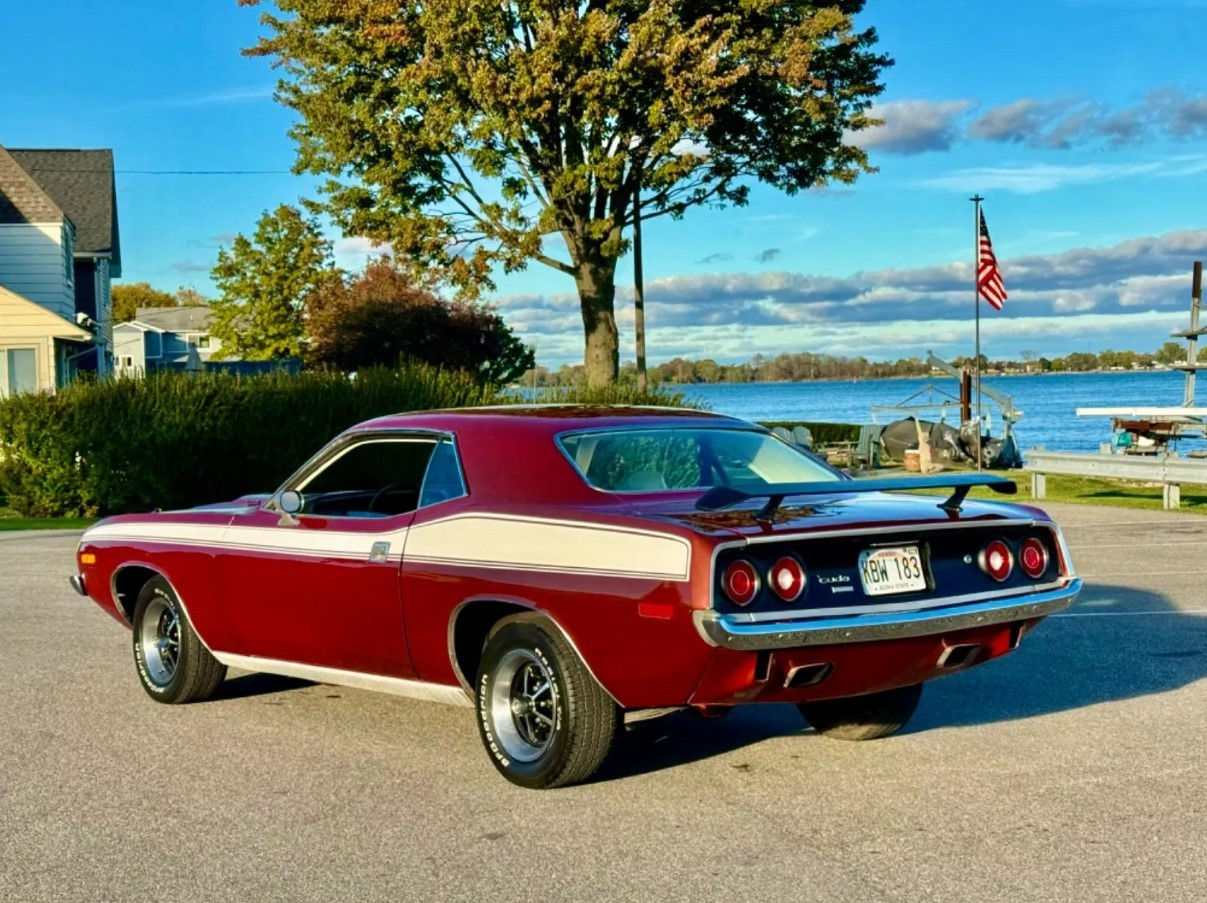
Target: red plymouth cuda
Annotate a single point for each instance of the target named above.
(565, 569)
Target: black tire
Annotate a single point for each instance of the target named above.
(541, 739)
(173, 665)
(863, 717)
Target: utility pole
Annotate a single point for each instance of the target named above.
(638, 286)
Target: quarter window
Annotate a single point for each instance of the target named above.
(443, 480)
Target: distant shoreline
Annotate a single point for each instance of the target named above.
(879, 379)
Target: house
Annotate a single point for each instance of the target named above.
(162, 338)
(59, 249)
(178, 338)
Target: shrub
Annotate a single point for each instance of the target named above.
(174, 439)
(615, 394)
(823, 433)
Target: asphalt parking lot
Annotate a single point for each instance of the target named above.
(1074, 769)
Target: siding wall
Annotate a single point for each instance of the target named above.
(129, 342)
(104, 318)
(23, 326)
(35, 262)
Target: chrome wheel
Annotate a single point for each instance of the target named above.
(523, 705)
(159, 640)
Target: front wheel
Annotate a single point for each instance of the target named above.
(544, 720)
(173, 664)
(865, 717)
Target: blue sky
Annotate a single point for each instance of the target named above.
(1083, 122)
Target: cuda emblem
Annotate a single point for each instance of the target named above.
(837, 578)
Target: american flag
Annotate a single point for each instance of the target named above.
(989, 283)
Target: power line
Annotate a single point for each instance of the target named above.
(172, 172)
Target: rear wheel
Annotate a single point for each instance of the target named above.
(172, 663)
(544, 720)
(863, 717)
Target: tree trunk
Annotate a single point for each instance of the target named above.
(596, 280)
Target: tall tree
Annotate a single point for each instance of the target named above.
(382, 316)
(265, 281)
(127, 299)
(466, 132)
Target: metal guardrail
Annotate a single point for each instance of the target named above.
(1171, 471)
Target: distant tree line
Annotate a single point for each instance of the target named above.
(806, 366)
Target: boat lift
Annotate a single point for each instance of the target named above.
(932, 400)
(1148, 429)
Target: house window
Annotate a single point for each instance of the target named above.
(203, 341)
(68, 254)
(18, 371)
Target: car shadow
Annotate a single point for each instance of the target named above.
(257, 684)
(1116, 643)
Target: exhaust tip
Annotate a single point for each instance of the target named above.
(808, 675)
(963, 655)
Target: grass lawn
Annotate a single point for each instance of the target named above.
(9, 520)
(1118, 493)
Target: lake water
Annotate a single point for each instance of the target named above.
(1048, 401)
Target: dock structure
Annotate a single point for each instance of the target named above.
(1156, 424)
(1192, 365)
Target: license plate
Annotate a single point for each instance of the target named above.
(896, 569)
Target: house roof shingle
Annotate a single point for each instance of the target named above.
(22, 199)
(81, 183)
(174, 319)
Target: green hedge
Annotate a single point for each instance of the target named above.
(823, 433)
(175, 440)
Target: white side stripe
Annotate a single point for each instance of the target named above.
(505, 541)
(496, 541)
(415, 689)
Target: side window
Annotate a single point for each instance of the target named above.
(374, 478)
(443, 480)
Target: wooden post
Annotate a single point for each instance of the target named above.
(1039, 485)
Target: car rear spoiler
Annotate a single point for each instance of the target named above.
(723, 496)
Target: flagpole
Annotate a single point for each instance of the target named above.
(976, 303)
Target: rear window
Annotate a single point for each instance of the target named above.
(652, 460)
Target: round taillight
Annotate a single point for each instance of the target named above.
(996, 560)
(1033, 558)
(741, 582)
(787, 578)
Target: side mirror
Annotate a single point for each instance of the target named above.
(290, 501)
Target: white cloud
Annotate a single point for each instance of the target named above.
(1141, 283)
(352, 253)
(912, 126)
(1032, 178)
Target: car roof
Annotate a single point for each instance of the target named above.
(509, 455)
(553, 418)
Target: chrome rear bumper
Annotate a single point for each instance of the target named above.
(721, 630)
(77, 584)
